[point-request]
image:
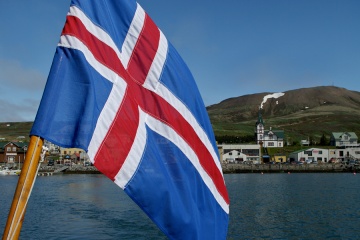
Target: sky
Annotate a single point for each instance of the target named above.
(232, 47)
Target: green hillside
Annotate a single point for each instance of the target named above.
(15, 131)
(303, 114)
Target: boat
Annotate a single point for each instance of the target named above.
(7, 171)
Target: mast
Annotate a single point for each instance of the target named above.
(23, 190)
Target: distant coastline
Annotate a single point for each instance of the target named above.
(290, 168)
(235, 168)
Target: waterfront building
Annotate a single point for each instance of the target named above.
(279, 158)
(311, 154)
(13, 152)
(238, 153)
(52, 148)
(325, 155)
(73, 155)
(346, 154)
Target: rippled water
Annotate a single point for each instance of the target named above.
(268, 206)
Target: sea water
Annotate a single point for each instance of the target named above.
(263, 206)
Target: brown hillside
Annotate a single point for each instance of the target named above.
(302, 112)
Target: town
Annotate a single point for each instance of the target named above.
(342, 154)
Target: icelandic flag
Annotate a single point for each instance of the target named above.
(118, 89)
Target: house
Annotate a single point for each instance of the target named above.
(234, 156)
(235, 153)
(305, 142)
(312, 154)
(52, 148)
(73, 154)
(268, 138)
(326, 155)
(344, 139)
(345, 154)
(279, 158)
(13, 152)
(273, 138)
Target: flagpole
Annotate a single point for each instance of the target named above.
(23, 189)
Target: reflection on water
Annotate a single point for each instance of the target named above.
(268, 206)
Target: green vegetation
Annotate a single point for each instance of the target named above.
(15, 131)
(315, 128)
(309, 113)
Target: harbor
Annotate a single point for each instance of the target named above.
(290, 168)
(263, 206)
(227, 168)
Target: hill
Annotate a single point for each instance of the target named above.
(15, 131)
(302, 113)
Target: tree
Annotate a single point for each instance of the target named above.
(323, 140)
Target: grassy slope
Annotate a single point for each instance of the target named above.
(330, 109)
(13, 131)
(302, 114)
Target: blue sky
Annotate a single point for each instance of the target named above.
(232, 47)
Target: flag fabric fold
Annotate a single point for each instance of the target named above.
(119, 90)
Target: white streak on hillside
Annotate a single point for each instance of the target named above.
(274, 95)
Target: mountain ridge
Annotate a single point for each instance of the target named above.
(299, 112)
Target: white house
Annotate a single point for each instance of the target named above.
(52, 148)
(325, 155)
(269, 138)
(313, 154)
(234, 156)
(344, 139)
(239, 152)
(305, 142)
(347, 153)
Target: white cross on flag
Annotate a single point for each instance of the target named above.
(118, 89)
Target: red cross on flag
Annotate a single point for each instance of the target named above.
(118, 89)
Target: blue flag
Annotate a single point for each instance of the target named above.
(118, 89)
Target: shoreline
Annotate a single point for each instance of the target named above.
(234, 168)
(290, 168)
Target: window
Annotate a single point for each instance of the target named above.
(270, 144)
(14, 149)
(8, 149)
(230, 153)
(320, 152)
(309, 153)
